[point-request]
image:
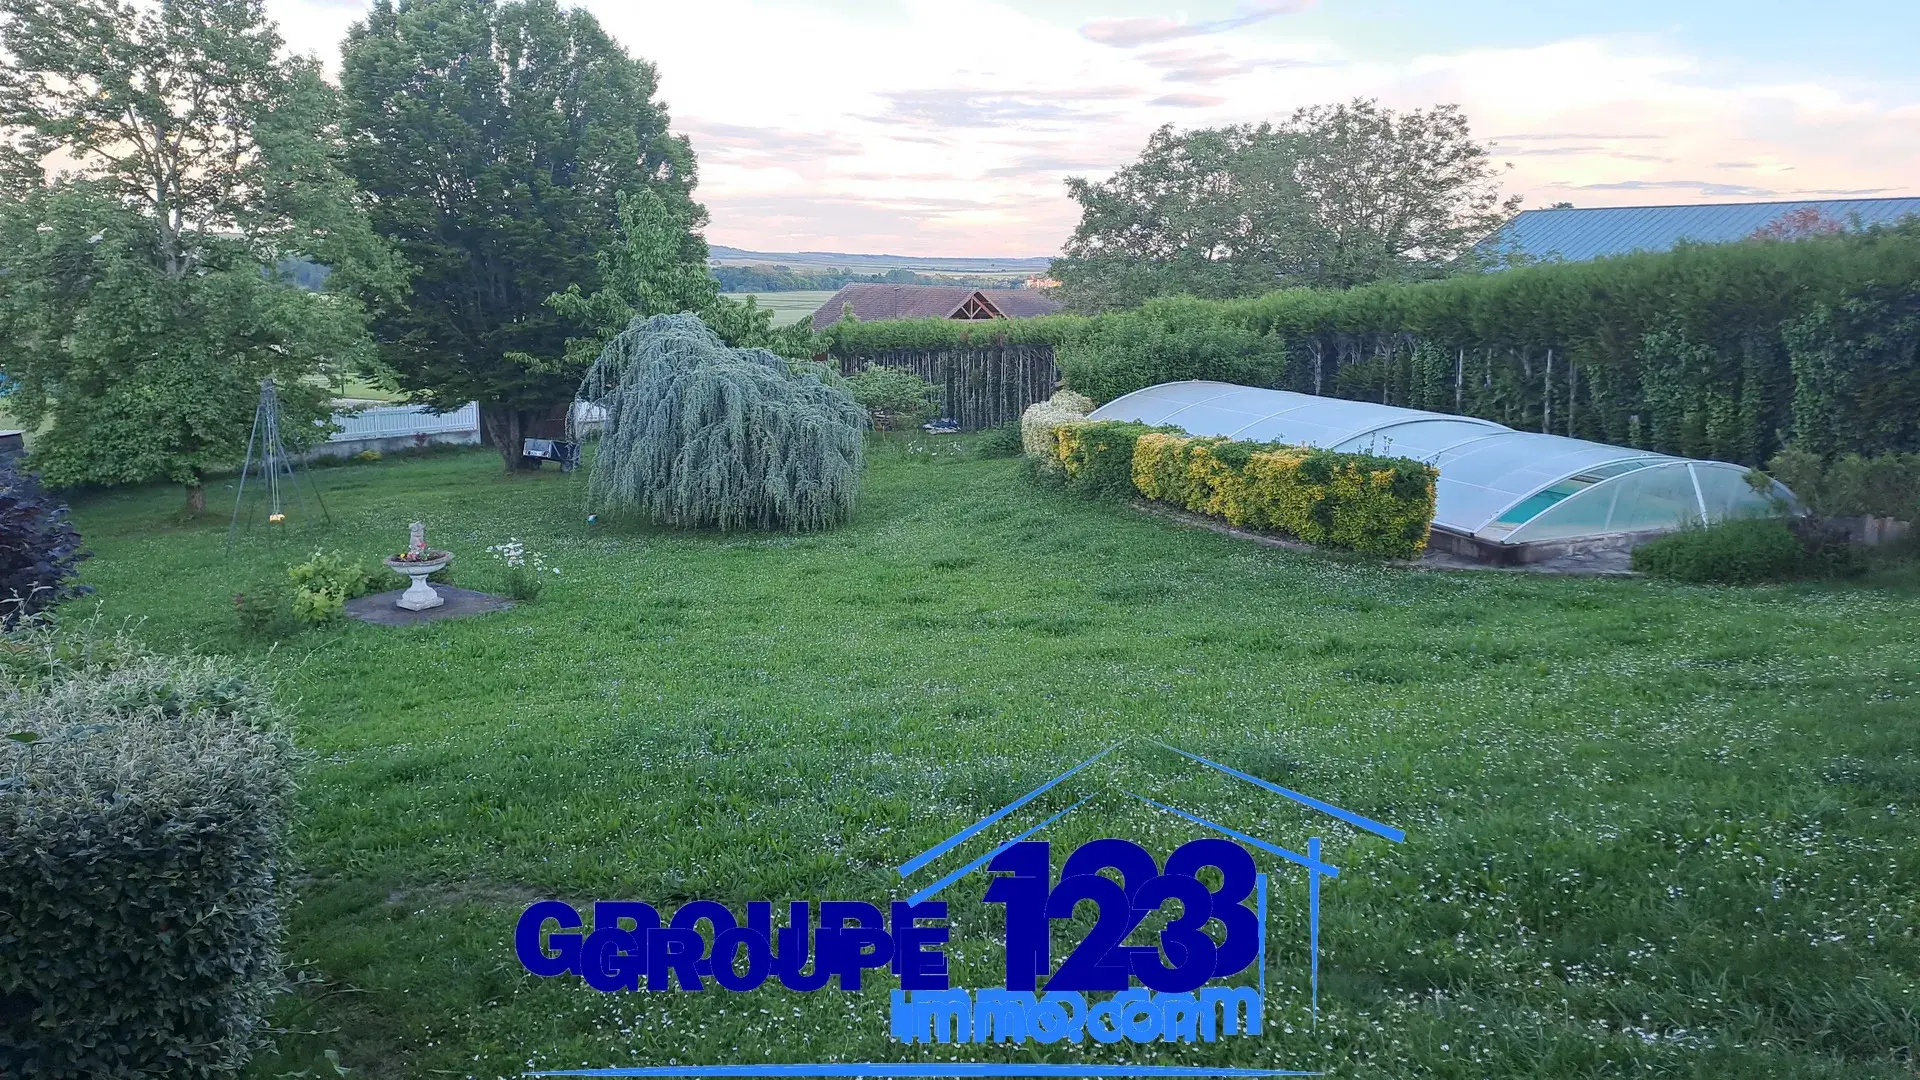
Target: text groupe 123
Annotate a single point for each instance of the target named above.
(630, 948)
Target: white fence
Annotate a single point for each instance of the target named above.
(403, 420)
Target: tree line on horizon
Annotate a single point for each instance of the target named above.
(495, 190)
(778, 277)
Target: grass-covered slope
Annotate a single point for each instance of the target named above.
(1651, 829)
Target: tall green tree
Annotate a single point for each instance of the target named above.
(496, 138)
(137, 296)
(1336, 195)
(645, 272)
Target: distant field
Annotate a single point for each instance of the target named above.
(871, 264)
(788, 307)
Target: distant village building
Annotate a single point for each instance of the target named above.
(872, 303)
(1576, 235)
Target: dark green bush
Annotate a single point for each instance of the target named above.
(1884, 485)
(39, 551)
(265, 610)
(1177, 338)
(144, 808)
(1749, 552)
(1002, 441)
(894, 397)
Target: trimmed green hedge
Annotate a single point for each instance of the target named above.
(144, 818)
(1723, 351)
(1097, 455)
(1360, 502)
(852, 338)
(1177, 338)
(1750, 551)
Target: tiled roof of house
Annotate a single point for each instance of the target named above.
(1021, 303)
(872, 303)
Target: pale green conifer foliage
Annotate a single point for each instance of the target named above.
(697, 434)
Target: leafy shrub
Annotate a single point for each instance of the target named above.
(700, 434)
(39, 551)
(266, 610)
(894, 397)
(1040, 419)
(527, 570)
(144, 808)
(1885, 485)
(1002, 441)
(1735, 552)
(1177, 338)
(323, 584)
(1362, 502)
(1097, 456)
(1830, 551)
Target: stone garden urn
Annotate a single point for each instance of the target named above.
(418, 565)
(417, 562)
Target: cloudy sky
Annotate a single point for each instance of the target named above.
(945, 127)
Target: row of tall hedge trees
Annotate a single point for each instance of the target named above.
(1726, 351)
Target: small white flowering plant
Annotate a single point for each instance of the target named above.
(526, 569)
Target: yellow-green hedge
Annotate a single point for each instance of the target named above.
(1379, 505)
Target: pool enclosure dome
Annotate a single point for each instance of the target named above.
(1496, 485)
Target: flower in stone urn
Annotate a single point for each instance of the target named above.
(417, 549)
(417, 562)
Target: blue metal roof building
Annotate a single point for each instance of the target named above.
(1576, 235)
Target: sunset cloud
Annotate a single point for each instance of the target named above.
(1145, 31)
(898, 127)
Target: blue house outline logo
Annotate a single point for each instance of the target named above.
(1315, 867)
(1311, 862)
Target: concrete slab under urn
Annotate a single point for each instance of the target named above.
(381, 608)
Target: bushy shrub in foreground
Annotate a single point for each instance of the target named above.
(1749, 551)
(144, 806)
(699, 434)
(39, 551)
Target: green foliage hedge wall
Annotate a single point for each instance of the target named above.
(1176, 338)
(1725, 351)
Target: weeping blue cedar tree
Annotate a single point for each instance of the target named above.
(698, 434)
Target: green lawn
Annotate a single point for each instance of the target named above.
(1652, 830)
(789, 307)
